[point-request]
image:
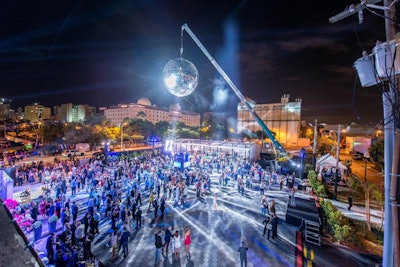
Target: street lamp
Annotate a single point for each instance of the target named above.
(316, 126)
(302, 155)
(152, 141)
(122, 134)
(105, 145)
(314, 150)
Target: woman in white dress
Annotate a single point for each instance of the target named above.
(177, 244)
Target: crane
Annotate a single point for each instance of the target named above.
(266, 130)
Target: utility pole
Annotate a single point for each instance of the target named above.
(337, 160)
(314, 149)
(391, 245)
(366, 189)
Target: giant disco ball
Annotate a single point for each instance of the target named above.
(180, 77)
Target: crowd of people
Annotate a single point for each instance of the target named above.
(118, 190)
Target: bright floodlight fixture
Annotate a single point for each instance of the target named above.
(180, 77)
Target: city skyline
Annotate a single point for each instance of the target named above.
(106, 54)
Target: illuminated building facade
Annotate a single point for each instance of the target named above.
(283, 119)
(143, 109)
(74, 113)
(36, 112)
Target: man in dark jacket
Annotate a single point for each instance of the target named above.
(86, 221)
(162, 207)
(138, 218)
(50, 249)
(243, 254)
(34, 211)
(159, 244)
(73, 227)
(155, 204)
(124, 241)
(74, 211)
(274, 220)
(350, 199)
(167, 239)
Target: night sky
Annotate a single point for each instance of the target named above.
(108, 52)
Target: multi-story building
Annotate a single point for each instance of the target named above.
(4, 108)
(217, 117)
(64, 112)
(74, 113)
(37, 112)
(144, 109)
(283, 119)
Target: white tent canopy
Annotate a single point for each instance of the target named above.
(328, 162)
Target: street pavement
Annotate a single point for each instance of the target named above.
(216, 232)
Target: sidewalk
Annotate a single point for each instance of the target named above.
(358, 212)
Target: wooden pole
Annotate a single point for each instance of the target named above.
(390, 27)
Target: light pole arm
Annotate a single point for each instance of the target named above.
(260, 122)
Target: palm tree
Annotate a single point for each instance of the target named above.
(141, 115)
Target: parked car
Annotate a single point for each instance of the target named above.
(72, 153)
(357, 156)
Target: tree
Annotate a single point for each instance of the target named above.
(96, 119)
(98, 135)
(378, 196)
(139, 127)
(50, 130)
(206, 129)
(376, 152)
(161, 128)
(306, 132)
(141, 115)
(77, 133)
(369, 190)
(325, 145)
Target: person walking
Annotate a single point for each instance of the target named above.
(114, 243)
(139, 198)
(177, 244)
(138, 218)
(124, 241)
(350, 200)
(187, 242)
(293, 198)
(167, 239)
(162, 207)
(272, 208)
(155, 204)
(50, 248)
(151, 200)
(159, 245)
(243, 254)
(74, 211)
(267, 227)
(86, 221)
(274, 221)
(262, 188)
(264, 205)
(73, 187)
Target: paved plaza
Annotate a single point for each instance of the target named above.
(217, 232)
